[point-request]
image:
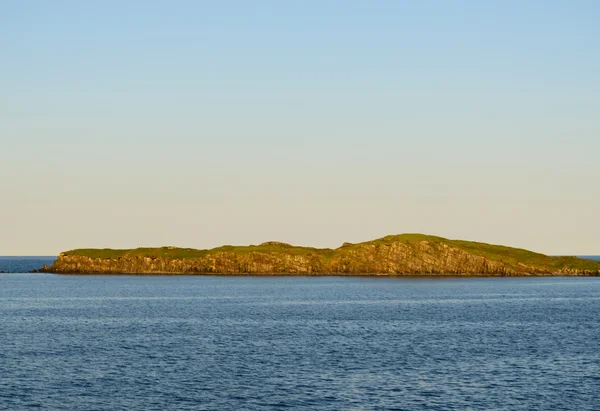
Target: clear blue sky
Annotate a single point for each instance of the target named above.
(196, 123)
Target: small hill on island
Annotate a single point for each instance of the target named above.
(404, 254)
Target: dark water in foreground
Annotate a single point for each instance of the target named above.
(328, 343)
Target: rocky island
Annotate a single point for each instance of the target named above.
(395, 255)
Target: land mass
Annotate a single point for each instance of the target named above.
(394, 255)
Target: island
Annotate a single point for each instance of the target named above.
(394, 255)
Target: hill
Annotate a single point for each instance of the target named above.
(404, 254)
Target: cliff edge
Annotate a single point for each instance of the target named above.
(405, 254)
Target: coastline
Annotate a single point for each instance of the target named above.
(324, 275)
(397, 255)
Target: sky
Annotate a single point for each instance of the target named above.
(197, 123)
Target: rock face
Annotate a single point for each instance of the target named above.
(393, 255)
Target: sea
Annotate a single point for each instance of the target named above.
(71, 342)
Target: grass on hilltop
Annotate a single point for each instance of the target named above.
(181, 253)
(508, 255)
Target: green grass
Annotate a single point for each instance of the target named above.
(163, 252)
(179, 253)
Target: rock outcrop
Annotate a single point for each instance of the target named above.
(409, 254)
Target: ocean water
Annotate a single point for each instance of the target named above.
(326, 343)
(23, 264)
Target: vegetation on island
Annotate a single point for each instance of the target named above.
(394, 254)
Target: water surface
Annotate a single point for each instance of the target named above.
(328, 343)
(23, 264)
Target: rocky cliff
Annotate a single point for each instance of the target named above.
(407, 254)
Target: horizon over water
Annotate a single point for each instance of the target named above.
(24, 264)
(223, 342)
(409, 148)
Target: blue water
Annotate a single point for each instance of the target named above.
(23, 264)
(327, 343)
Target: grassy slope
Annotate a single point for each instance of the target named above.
(508, 255)
(172, 252)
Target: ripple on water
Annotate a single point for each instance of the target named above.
(158, 343)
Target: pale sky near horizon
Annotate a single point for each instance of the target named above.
(197, 124)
